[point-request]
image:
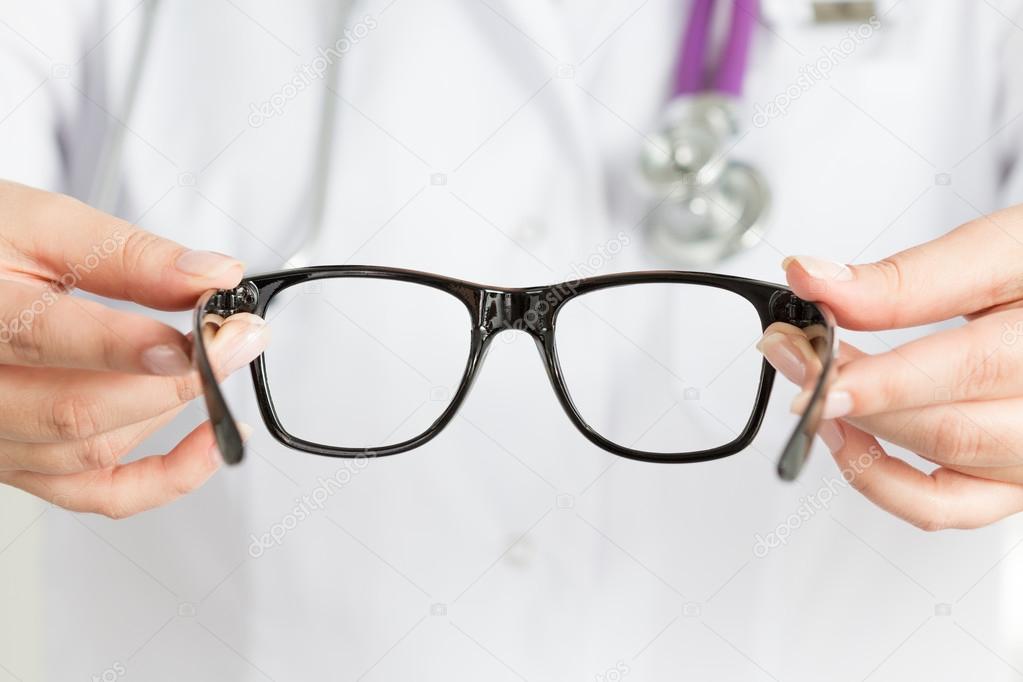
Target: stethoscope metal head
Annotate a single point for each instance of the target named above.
(704, 205)
(700, 226)
(689, 147)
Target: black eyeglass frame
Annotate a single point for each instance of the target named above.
(533, 310)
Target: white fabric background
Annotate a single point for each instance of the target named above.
(455, 561)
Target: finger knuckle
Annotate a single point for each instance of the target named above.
(138, 244)
(985, 371)
(893, 275)
(1003, 287)
(987, 376)
(888, 389)
(181, 486)
(115, 510)
(187, 388)
(110, 348)
(178, 485)
(953, 437)
(29, 335)
(861, 484)
(929, 523)
(933, 514)
(892, 272)
(74, 417)
(101, 452)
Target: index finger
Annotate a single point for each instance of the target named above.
(60, 239)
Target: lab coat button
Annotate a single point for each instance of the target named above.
(530, 231)
(521, 553)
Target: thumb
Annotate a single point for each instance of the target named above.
(858, 295)
(904, 290)
(970, 269)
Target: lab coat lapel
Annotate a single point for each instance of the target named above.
(544, 26)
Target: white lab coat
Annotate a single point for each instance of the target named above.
(496, 141)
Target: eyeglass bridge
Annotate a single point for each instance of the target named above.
(525, 310)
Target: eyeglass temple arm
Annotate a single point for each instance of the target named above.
(221, 304)
(817, 321)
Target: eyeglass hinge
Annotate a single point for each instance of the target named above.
(787, 307)
(227, 302)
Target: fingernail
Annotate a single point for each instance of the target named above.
(206, 264)
(783, 356)
(166, 361)
(818, 268)
(836, 404)
(214, 452)
(244, 343)
(216, 459)
(832, 434)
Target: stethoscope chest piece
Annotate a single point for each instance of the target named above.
(705, 206)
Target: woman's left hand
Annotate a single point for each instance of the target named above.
(954, 397)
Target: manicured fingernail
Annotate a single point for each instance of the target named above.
(206, 264)
(832, 434)
(818, 268)
(244, 343)
(836, 404)
(166, 361)
(215, 457)
(783, 356)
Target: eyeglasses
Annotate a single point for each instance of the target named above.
(652, 366)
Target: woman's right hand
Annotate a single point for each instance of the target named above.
(82, 384)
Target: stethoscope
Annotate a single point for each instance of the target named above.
(104, 192)
(705, 206)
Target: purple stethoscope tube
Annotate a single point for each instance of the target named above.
(691, 76)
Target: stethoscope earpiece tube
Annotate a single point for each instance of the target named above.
(104, 192)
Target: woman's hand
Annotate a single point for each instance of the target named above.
(82, 384)
(954, 397)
